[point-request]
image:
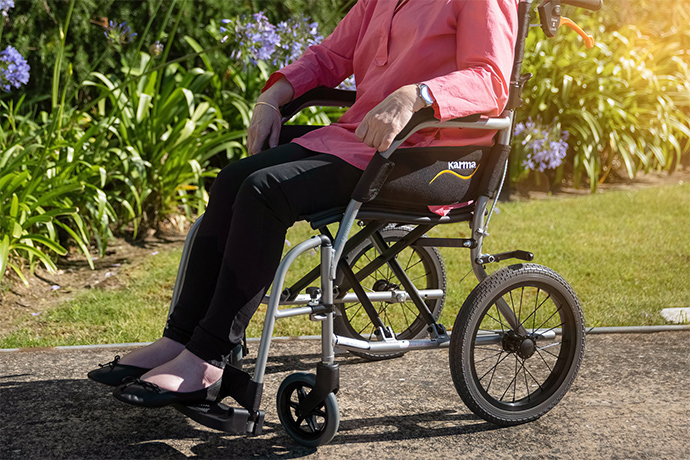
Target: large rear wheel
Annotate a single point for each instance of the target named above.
(517, 344)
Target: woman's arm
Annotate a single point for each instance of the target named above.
(325, 64)
(486, 34)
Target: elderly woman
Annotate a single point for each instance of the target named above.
(452, 55)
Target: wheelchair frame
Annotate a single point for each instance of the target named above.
(320, 304)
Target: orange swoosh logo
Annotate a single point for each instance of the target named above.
(448, 171)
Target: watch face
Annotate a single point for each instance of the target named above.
(425, 94)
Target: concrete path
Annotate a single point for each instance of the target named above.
(631, 400)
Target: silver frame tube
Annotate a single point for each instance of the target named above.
(385, 296)
(272, 310)
(184, 260)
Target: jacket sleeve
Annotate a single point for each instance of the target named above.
(486, 35)
(329, 62)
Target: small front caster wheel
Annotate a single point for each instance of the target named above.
(317, 427)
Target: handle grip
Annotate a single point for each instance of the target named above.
(594, 5)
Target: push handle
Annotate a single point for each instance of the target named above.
(593, 5)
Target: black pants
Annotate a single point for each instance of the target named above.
(240, 241)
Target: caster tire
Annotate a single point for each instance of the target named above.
(311, 430)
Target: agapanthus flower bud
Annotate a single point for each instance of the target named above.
(156, 49)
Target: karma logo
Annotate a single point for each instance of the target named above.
(458, 165)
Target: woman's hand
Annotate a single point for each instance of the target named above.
(266, 120)
(385, 121)
(266, 123)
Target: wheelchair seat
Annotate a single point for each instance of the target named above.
(400, 215)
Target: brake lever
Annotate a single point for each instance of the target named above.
(588, 39)
(551, 20)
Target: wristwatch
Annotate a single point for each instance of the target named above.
(425, 94)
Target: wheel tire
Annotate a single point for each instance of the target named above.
(318, 427)
(518, 378)
(429, 273)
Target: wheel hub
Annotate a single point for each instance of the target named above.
(523, 346)
(384, 285)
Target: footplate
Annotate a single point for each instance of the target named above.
(220, 417)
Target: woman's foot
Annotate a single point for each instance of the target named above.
(187, 379)
(186, 373)
(154, 354)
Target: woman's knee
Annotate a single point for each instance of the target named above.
(262, 189)
(228, 180)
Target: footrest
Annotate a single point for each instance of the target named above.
(220, 417)
(491, 258)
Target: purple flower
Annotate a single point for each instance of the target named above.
(548, 146)
(14, 70)
(5, 6)
(257, 39)
(119, 34)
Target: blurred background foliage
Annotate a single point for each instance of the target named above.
(34, 30)
(123, 135)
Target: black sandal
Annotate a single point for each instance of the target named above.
(113, 374)
(147, 394)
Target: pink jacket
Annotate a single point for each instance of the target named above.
(462, 49)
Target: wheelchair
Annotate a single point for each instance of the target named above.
(518, 340)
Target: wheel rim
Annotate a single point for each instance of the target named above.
(520, 371)
(307, 426)
(402, 317)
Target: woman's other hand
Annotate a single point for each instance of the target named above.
(385, 121)
(266, 120)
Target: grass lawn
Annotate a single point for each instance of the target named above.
(626, 254)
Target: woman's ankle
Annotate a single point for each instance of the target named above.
(153, 355)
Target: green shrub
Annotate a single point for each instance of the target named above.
(625, 103)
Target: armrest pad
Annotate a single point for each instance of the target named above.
(321, 97)
(426, 115)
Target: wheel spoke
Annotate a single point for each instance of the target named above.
(550, 329)
(533, 314)
(489, 357)
(404, 313)
(423, 275)
(414, 264)
(497, 320)
(498, 361)
(549, 318)
(407, 264)
(535, 380)
(524, 373)
(545, 363)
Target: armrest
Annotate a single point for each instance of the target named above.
(321, 97)
(426, 115)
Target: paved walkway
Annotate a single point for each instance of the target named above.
(631, 400)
